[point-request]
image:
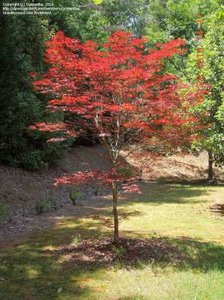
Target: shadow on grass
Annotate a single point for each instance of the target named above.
(34, 270)
(218, 209)
(27, 272)
(107, 219)
(198, 255)
(160, 194)
(187, 181)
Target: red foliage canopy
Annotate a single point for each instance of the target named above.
(100, 178)
(117, 91)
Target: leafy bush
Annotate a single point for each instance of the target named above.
(4, 213)
(46, 205)
(32, 160)
(126, 171)
(76, 195)
(118, 251)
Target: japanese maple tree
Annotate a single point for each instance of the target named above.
(118, 92)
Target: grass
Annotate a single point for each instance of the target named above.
(178, 214)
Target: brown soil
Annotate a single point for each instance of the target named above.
(103, 251)
(20, 190)
(174, 168)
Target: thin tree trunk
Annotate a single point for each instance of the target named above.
(115, 212)
(210, 166)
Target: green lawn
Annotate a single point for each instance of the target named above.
(178, 214)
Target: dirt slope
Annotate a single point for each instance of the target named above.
(175, 168)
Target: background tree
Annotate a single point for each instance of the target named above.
(211, 69)
(86, 22)
(127, 15)
(21, 51)
(178, 19)
(22, 40)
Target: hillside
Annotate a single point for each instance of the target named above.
(20, 190)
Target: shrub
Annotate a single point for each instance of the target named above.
(4, 213)
(76, 195)
(97, 189)
(118, 251)
(126, 171)
(46, 205)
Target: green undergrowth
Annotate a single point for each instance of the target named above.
(180, 215)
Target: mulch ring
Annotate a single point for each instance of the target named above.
(103, 251)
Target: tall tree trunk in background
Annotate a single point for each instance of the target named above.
(115, 212)
(210, 166)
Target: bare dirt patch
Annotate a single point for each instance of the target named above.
(175, 168)
(20, 190)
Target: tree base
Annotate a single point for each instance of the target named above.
(104, 251)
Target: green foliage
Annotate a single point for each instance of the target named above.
(119, 251)
(4, 213)
(127, 15)
(85, 22)
(178, 19)
(212, 71)
(126, 171)
(75, 196)
(18, 105)
(97, 1)
(46, 205)
(22, 48)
